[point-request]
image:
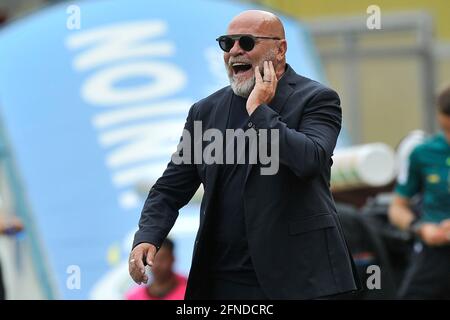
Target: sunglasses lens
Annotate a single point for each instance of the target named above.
(247, 43)
(226, 43)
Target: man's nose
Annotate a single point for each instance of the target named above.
(236, 50)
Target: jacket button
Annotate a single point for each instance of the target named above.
(250, 124)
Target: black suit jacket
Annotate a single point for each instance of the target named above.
(295, 240)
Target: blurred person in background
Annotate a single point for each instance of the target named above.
(165, 284)
(261, 236)
(8, 227)
(428, 174)
(3, 16)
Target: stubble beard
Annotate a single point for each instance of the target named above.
(243, 88)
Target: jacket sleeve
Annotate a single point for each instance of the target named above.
(307, 149)
(173, 190)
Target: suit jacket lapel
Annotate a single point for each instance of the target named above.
(220, 118)
(284, 90)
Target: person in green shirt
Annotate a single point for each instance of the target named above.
(428, 175)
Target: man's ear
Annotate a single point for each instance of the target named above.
(282, 49)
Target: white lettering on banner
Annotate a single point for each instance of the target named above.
(134, 141)
(118, 42)
(138, 124)
(100, 90)
(170, 107)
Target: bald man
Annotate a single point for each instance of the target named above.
(261, 235)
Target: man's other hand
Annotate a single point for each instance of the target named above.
(433, 234)
(445, 224)
(143, 254)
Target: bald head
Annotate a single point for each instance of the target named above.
(261, 22)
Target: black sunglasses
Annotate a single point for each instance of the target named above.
(246, 41)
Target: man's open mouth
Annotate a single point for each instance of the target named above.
(240, 67)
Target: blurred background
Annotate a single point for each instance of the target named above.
(94, 95)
